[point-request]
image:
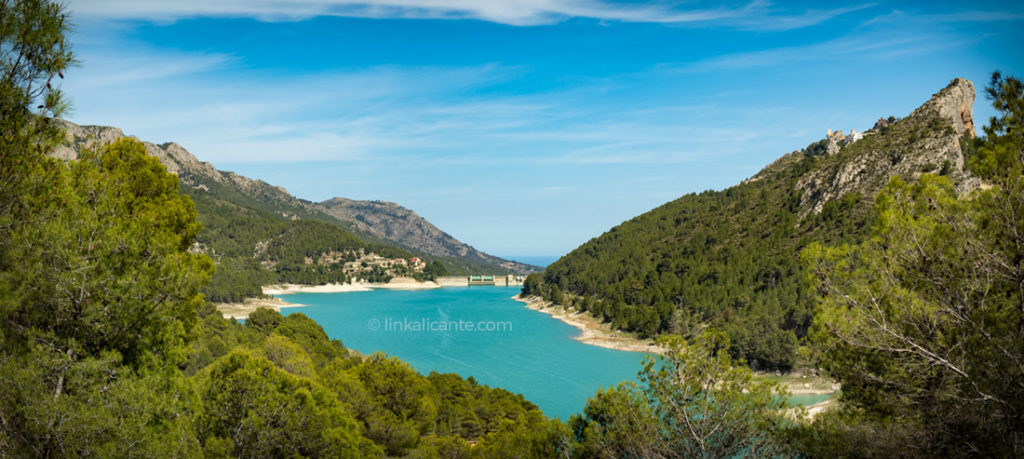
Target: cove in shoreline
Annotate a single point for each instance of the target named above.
(592, 331)
(474, 331)
(353, 317)
(596, 333)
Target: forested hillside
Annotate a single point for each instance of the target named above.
(107, 347)
(241, 217)
(392, 222)
(253, 248)
(730, 259)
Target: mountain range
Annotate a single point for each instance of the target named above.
(313, 242)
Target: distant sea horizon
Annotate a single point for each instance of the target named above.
(537, 260)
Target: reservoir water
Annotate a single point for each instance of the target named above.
(480, 332)
(474, 331)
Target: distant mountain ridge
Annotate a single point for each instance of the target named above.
(392, 222)
(730, 259)
(191, 171)
(228, 202)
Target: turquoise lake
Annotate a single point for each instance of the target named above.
(520, 350)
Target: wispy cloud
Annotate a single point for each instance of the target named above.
(872, 46)
(129, 69)
(960, 17)
(431, 115)
(757, 15)
(766, 19)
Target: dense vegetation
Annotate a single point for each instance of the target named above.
(697, 403)
(108, 348)
(231, 233)
(726, 259)
(369, 405)
(923, 322)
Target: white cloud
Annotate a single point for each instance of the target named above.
(869, 45)
(902, 17)
(129, 69)
(783, 21)
(756, 15)
(432, 115)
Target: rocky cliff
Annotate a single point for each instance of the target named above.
(928, 140)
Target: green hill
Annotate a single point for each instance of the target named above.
(259, 234)
(729, 259)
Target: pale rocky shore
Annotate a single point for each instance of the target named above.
(394, 284)
(398, 283)
(242, 310)
(592, 331)
(595, 333)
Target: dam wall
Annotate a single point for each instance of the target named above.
(510, 280)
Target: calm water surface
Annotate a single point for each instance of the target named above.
(520, 350)
(479, 332)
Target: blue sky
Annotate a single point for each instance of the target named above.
(520, 127)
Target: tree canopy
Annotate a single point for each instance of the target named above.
(696, 402)
(923, 322)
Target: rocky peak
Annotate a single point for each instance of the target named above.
(390, 221)
(78, 137)
(954, 103)
(928, 140)
(190, 170)
(836, 140)
(174, 157)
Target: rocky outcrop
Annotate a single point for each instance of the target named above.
(835, 140)
(174, 157)
(928, 140)
(78, 137)
(881, 123)
(955, 104)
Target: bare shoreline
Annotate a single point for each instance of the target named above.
(250, 305)
(398, 283)
(592, 332)
(242, 310)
